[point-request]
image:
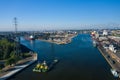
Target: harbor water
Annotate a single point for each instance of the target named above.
(78, 60)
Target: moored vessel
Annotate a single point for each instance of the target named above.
(31, 37)
(115, 73)
(94, 44)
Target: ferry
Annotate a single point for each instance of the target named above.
(115, 73)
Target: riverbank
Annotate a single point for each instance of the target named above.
(22, 64)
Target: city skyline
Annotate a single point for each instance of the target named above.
(58, 14)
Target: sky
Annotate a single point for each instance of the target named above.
(57, 14)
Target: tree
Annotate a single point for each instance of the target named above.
(6, 48)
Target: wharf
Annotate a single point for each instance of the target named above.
(19, 68)
(110, 59)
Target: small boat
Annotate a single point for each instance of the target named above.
(115, 73)
(94, 44)
(41, 67)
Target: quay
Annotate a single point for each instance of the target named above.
(109, 47)
(19, 68)
(104, 54)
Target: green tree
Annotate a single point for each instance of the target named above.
(6, 48)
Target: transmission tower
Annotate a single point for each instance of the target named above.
(17, 39)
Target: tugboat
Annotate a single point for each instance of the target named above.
(41, 67)
(115, 73)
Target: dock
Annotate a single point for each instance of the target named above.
(115, 66)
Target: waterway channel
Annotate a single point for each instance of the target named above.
(78, 60)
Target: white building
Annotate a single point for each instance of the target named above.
(105, 33)
(112, 48)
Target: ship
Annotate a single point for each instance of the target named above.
(114, 73)
(31, 37)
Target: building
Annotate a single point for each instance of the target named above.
(112, 48)
(105, 33)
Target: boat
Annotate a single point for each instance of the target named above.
(55, 60)
(31, 37)
(94, 44)
(41, 67)
(115, 73)
(53, 63)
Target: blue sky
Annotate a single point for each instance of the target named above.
(57, 14)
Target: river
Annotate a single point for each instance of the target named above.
(78, 60)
